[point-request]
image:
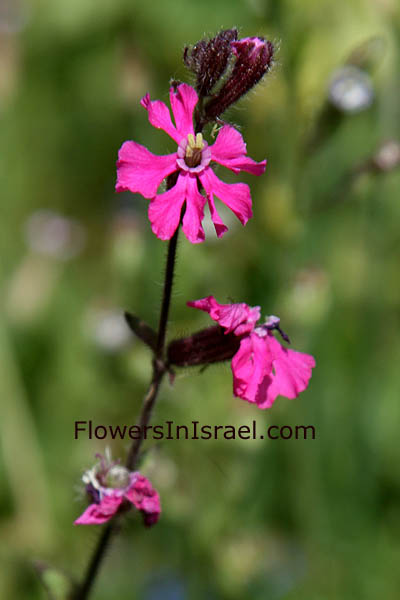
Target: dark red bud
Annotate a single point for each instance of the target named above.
(208, 59)
(253, 59)
(202, 348)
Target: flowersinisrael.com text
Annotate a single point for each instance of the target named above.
(192, 431)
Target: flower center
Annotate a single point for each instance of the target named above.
(194, 150)
(117, 477)
(193, 154)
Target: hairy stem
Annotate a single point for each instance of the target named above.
(168, 281)
(145, 415)
(159, 370)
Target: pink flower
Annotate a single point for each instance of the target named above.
(109, 485)
(140, 171)
(262, 368)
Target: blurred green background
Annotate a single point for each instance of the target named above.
(305, 520)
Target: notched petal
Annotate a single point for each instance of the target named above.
(165, 209)
(160, 117)
(140, 171)
(183, 101)
(235, 196)
(229, 150)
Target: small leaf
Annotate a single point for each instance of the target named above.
(142, 330)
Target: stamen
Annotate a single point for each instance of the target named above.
(193, 150)
(199, 141)
(274, 323)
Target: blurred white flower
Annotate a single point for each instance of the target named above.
(108, 329)
(309, 297)
(14, 15)
(388, 156)
(50, 234)
(350, 89)
(30, 288)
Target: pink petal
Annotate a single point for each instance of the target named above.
(229, 144)
(236, 318)
(140, 171)
(220, 227)
(208, 304)
(235, 195)
(145, 498)
(292, 372)
(251, 368)
(183, 101)
(194, 212)
(253, 314)
(229, 150)
(263, 369)
(165, 209)
(160, 117)
(244, 163)
(95, 514)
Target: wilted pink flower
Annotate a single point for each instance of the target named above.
(140, 171)
(109, 485)
(262, 368)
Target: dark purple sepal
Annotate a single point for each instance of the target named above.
(204, 347)
(208, 59)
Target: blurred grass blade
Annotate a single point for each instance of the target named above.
(21, 452)
(58, 584)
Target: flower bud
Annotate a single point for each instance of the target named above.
(253, 59)
(208, 59)
(202, 348)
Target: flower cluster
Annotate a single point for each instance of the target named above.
(109, 485)
(262, 368)
(188, 171)
(179, 185)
